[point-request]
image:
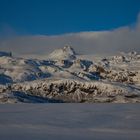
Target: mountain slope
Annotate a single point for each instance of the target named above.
(103, 77)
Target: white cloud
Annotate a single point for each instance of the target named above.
(121, 39)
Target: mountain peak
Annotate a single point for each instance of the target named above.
(69, 49)
(67, 52)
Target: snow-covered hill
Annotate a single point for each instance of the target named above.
(67, 77)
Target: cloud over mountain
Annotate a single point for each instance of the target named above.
(122, 39)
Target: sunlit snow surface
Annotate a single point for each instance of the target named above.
(70, 122)
(66, 76)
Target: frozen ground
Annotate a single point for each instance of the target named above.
(70, 122)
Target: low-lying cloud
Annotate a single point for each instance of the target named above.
(121, 39)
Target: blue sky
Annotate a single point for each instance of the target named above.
(53, 17)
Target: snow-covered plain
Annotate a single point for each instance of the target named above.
(70, 121)
(65, 76)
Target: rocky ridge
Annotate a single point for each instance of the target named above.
(74, 91)
(65, 77)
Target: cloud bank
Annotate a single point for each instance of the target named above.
(121, 39)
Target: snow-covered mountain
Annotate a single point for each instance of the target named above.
(66, 53)
(68, 77)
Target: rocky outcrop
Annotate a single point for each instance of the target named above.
(75, 91)
(125, 57)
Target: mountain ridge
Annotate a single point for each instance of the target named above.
(122, 70)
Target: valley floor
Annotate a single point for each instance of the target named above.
(70, 121)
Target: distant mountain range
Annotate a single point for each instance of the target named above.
(68, 77)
